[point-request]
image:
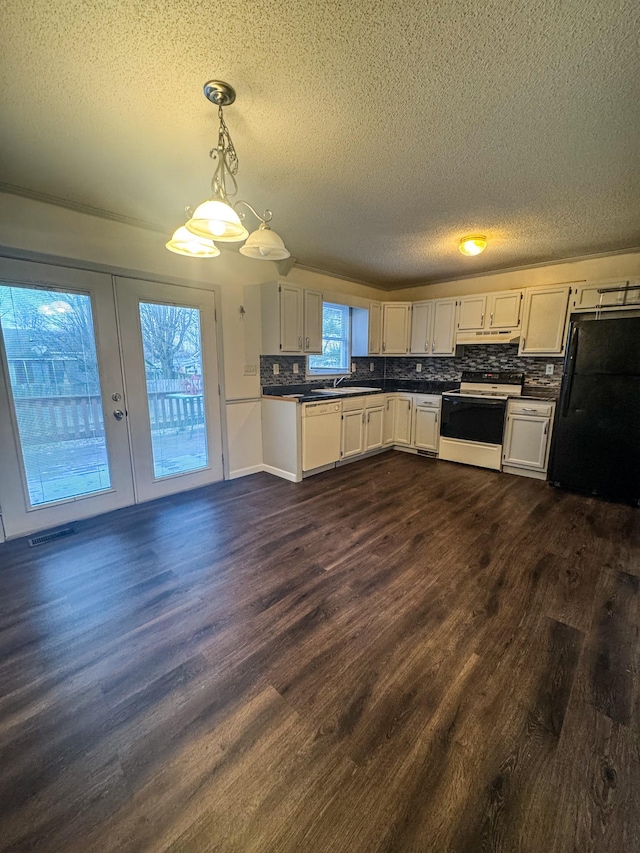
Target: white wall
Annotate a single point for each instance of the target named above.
(29, 226)
(603, 268)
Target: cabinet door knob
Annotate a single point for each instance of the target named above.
(491, 319)
(482, 319)
(433, 346)
(300, 341)
(307, 340)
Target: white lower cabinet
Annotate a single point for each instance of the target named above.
(352, 433)
(373, 428)
(402, 419)
(426, 425)
(389, 419)
(527, 438)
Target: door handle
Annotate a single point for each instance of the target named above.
(300, 342)
(482, 319)
(307, 342)
(433, 346)
(118, 414)
(491, 319)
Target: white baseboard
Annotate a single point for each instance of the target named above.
(244, 472)
(278, 472)
(524, 472)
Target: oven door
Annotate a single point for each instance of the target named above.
(473, 418)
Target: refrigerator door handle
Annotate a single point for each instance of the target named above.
(566, 391)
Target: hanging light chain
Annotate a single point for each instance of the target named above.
(225, 154)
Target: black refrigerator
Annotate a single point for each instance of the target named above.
(596, 438)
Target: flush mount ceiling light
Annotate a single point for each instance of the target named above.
(473, 245)
(217, 217)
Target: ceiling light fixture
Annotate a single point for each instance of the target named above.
(183, 242)
(473, 245)
(217, 217)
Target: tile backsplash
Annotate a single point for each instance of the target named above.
(288, 377)
(487, 357)
(484, 357)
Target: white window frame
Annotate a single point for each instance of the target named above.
(329, 372)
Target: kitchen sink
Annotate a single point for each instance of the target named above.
(359, 390)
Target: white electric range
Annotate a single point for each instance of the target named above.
(473, 418)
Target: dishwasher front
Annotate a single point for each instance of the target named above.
(321, 434)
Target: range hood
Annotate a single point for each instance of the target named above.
(494, 336)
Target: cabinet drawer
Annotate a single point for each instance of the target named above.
(530, 407)
(352, 404)
(428, 401)
(374, 401)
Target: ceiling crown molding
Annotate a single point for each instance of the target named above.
(34, 195)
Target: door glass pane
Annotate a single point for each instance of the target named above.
(53, 370)
(175, 389)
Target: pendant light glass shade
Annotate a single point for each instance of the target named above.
(265, 245)
(214, 219)
(183, 242)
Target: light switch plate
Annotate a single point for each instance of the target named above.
(296, 368)
(250, 370)
(549, 370)
(353, 367)
(418, 368)
(372, 366)
(276, 369)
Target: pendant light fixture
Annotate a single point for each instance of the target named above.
(217, 217)
(183, 242)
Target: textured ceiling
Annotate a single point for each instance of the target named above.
(379, 133)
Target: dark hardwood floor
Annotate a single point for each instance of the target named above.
(400, 655)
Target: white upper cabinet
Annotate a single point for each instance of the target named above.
(472, 313)
(615, 295)
(291, 319)
(443, 340)
(375, 328)
(396, 319)
(503, 310)
(312, 321)
(545, 320)
(421, 327)
(488, 311)
(433, 327)
(291, 311)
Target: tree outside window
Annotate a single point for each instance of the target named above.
(335, 341)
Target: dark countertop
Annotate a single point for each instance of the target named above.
(302, 392)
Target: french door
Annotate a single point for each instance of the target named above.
(92, 419)
(170, 367)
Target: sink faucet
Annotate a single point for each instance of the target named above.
(337, 381)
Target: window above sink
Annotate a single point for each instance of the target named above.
(336, 342)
